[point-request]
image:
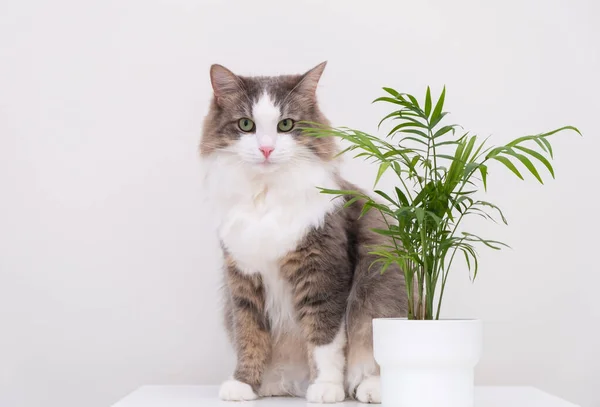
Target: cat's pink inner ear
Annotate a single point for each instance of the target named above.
(223, 80)
(310, 80)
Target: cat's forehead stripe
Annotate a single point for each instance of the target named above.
(265, 108)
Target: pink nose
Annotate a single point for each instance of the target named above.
(266, 150)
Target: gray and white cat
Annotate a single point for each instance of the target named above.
(299, 295)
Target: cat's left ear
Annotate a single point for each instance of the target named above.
(224, 82)
(310, 80)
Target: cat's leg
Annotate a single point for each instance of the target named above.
(250, 333)
(362, 375)
(320, 276)
(327, 363)
(288, 372)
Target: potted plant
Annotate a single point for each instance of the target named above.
(425, 361)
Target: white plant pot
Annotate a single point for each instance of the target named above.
(427, 363)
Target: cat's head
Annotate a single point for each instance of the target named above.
(255, 119)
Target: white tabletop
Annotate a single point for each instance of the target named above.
(206, 396)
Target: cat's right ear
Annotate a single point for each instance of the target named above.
(223, 81)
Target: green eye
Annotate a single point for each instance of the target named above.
(285, 125)
(246, 124)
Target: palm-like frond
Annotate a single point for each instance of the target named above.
(439, 175)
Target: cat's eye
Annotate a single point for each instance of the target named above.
(246, 125)
(285, 125)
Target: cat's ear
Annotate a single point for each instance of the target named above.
(310, 80)
(223, 81)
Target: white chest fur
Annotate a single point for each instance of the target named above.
(263, 216)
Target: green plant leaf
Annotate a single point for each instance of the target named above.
(542, 136)
(434, 122)
(420, 214)
(400, 114)
(410, 113)
(392, 92)
(469, 148)
(413, 100)
(494, 152)
(371, 204)
(548, 146)
(435, 217)
(542, 145)
(414, 139)
(443, 131)
(481, 213)
(386, 232)
(418, 132)
(527, 163)
(403, 126)
(428, 102)
(456, 167)
(467, 248)
(403, 211)
(446, 143)
(382, 169)
(491, 205)
(389, 100)
(483, 171)
(351, 202)
(415, 119)
(342, 192)
(365, 209)
(467, 260)
(469, 169)
(414, 161)
(401, 197)
(386, 197)
(476, 153)
(437, 111)
(396, 113)
(537, 155)
(446, 156)
(508, 164)
(493, 244)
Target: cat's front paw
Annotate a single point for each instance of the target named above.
(234, 390)
(325, 393)
(369, 390)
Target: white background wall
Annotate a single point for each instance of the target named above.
(108, 271)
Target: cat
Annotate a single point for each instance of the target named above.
(299, 294)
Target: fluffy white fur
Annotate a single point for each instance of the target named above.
(329, 360)
(369, 390)
(263, 214)
(234, 390)
(359, 373)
